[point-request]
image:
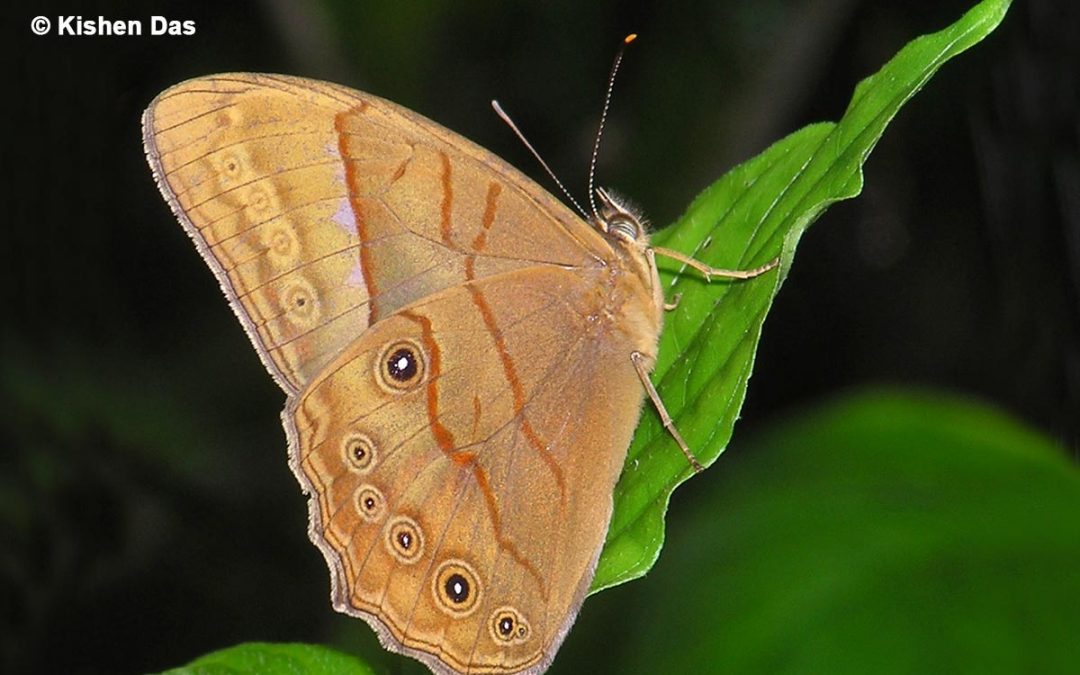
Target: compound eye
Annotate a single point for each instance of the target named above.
(624, 227)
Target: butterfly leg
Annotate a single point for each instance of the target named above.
(669, 306)
(711, 272)
(639, 364)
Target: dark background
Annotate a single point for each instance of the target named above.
(148, 515)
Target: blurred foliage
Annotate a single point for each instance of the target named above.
(147, 515)
(886, 532)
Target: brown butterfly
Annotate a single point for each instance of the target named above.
(465, 358)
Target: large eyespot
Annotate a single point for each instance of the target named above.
(401, 366)
(370, 503)
(404, 539)
(456, 588)
(359, 452)
(508, 627)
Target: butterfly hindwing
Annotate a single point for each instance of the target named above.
(495, 459)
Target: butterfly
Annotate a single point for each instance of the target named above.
(464, 357)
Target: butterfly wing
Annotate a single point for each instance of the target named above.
(322, 209)
(461, 456)
(460, 387)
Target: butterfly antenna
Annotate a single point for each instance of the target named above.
(510, 123)
(603, 119)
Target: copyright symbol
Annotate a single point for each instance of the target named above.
(40, 25)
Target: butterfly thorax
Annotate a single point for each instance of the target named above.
(633, 300)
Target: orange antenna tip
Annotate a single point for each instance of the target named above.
(629, 38)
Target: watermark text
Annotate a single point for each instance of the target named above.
(100, 26)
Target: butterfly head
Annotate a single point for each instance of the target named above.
(620, 219)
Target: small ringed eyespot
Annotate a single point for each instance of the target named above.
(282, 241)
(508, 626)
(359, 452)
(300, 300)
(404, 539)
(370, 503)
(230, 164)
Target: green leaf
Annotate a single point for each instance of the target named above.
(274, 659)
(889, 532)
(753, 214)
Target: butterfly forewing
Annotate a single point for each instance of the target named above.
(322, 209)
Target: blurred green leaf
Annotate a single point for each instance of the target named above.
(888, 532)
(274, 659)
(757, 211)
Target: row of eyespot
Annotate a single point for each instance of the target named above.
(454, 586)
